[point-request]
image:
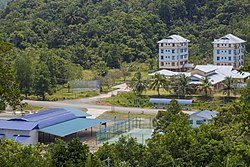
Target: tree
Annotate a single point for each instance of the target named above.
(137, 84)
(42, 83)
(16, 154)
(180, 85)
(229, 86)
(75, 154)
(24, 74)
(158, 81)
(9, 92)
(173, 113)
(206, 85)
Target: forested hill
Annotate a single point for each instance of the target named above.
(109, 32)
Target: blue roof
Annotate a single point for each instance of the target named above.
(72, 126)
(204, 114)
(76, 112)
(52, 116)
(17, 125)
(1, 135)
(167, 101)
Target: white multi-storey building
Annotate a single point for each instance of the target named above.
(173, 53)
(228, 51)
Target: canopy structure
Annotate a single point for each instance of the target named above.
(72, 126)
(167, 101)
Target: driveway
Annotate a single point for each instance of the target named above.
(93, 109)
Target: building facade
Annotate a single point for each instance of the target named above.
(228, 51)
(201, 117)
(173, 53)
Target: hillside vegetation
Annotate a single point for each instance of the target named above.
(108, 32)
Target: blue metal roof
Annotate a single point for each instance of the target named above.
(204, 114)
(17, 125)
(76, 112)
(167, 101)
(72, 126)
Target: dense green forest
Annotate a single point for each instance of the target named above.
(89, 32)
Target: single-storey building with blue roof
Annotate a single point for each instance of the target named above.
(200, 117)
(47, 125)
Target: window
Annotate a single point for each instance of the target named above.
(199, 122)
(218, 64)
(191, 122)
(161, 44)
(229, 45)
(181, 63)
(218, 58)
(161, 57)
(166, 50)
(173, 64)
(225, 57)
(172, 57)
(169, 57)
(177, 57)
(229, 64)
(173, 44)
(229, 51)
(172, 50)
(162, 63)
(181, 56)
(225, 44)
(218, 51)
(185, 56)
(221, 58)
(162, 50)
(229, 58)
(166, 57)
(221, 44)
(218, 45)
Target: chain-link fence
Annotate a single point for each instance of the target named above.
(111, 133)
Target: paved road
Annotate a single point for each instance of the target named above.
(93, 109)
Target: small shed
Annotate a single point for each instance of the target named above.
(200, 117)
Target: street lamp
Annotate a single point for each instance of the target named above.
(16, 138)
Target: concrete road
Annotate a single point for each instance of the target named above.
(94, 109)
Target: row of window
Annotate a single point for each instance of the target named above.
(173, 44)
(173, 63)
(221, 58)
(173, 50)
(229, 45)
(198, 122)
(221, 64)
(173, 57)
(230, 51)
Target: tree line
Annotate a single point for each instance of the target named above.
(180, 86)
(94, 33)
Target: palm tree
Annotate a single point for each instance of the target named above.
(158, 81)
(180, 85)
(206, 85)
(230, 86)
(137, 84)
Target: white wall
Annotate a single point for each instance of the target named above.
(8, 134)
(195, 118)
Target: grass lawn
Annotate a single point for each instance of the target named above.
(33, 108)
(64, 94)
(128, 99)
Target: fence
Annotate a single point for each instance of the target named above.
(126, 128)
(81, 86)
